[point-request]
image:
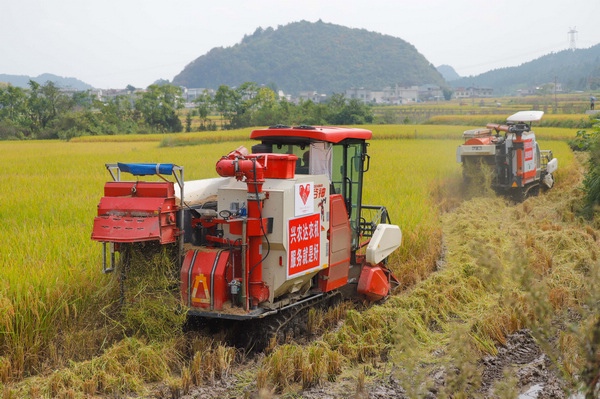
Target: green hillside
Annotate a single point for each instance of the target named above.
(574, 69)
(448, 72)
(317, 56)
(63, 82)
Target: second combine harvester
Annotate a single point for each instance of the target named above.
(284, 228)
(516, 164)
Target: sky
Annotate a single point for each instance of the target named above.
(114, 43)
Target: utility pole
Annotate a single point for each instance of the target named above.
(555, 101)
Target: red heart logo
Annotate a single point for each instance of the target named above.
(304, 192)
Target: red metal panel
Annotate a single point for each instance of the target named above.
(336, 275)
(207, 282)
(149, 214)
(277, 166)
(142, 189)
(373, 283)
(253, 226)
(525, 155)
(321, 133)
(132, 205)
(125, 229)
(479, 141)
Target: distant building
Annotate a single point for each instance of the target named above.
(527, 91)
(362, 94)
(472, 92)
(190, 95)
(389, 95)
(113, 93)
(97, 93)
(68, 90)
(429, 92)
(282, 95)
(558, 88)
(535, 90)
(312, 96)
(400, 94)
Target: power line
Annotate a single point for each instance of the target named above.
(528, 55)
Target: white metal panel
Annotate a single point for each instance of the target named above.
(552, 166)
(280, 206)
(488, 149)
(526, 116)
(198, 190)
(386, 239)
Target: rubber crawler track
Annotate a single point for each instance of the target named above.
(258, 335)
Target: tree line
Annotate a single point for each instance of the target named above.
(250, 105)
(44, 112)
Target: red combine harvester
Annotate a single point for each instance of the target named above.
(518, 166)
(283, 229)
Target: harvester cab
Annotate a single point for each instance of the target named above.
(284, 227)
(333, 152)
(515, 163)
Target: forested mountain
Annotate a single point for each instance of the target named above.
(448, 72)
(59, 81)
(574, 69)
(317, 56)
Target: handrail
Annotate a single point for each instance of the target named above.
(367, 228)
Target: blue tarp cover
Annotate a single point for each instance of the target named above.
(143, 169)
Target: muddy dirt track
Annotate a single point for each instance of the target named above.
(519, 368)
(554, 241)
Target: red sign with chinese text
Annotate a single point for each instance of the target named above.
(528, 150)
(304, 239)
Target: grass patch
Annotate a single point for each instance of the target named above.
(127, 366)
(172, 139)
(292, 366)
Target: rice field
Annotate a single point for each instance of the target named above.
(53, 297)
(572, 103)
(569, 121)
(380, 132)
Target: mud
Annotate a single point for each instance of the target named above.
(522, 359)
(533, 373)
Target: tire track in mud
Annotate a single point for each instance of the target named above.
(523, 357)
(543, 234)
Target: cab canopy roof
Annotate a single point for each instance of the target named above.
(526, 116)
(299, 134)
